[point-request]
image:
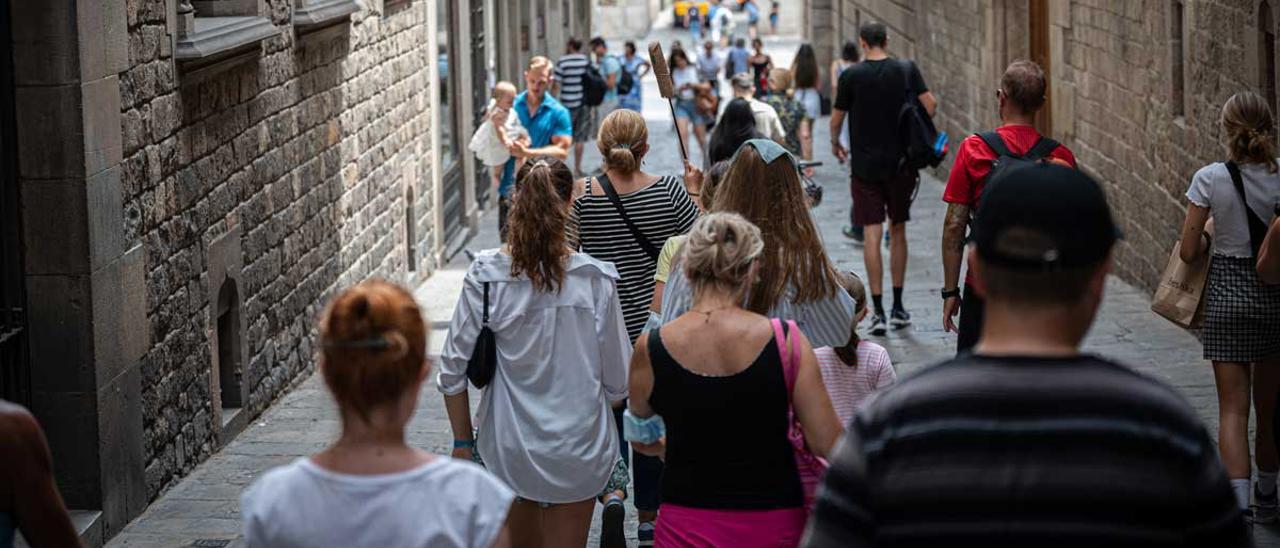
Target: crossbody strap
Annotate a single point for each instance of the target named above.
(1257, 228)
(485, 317)
(648, 248)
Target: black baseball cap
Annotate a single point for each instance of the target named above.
(1043, 216)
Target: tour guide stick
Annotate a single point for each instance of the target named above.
(666, 88)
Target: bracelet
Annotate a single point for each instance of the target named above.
(647, 430)
(694, 194)
(464, 444)
(949, 293)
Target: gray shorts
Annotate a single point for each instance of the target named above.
(584, 123)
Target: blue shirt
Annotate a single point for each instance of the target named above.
(738, 57)
(610, 65)
(551, 120)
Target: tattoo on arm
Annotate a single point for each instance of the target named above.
(954, 225)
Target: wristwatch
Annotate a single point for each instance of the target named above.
(949, 293)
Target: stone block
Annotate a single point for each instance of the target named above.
(100, 104)
(120, 445)
(105, 209)
(120, 331)
(54, 225)
(70, 424)
(60, 336)
(50, 134)
(103, 29)
(45, 42)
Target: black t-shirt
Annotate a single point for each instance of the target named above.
(1027, 451)
(872, 94)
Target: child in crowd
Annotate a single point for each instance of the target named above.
(491, 141)
(854, 371)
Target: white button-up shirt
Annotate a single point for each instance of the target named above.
(544, 422)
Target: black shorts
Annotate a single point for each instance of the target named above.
(873, 199)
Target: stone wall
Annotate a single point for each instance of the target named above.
(1111, 89)
(305, 154)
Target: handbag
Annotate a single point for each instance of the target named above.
(644, 242)
(1180, 296)
(707, 103)
(809, 466)
(484, 357)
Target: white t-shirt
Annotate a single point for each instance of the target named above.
(443, 503)
(686, 75)
(1211, 187)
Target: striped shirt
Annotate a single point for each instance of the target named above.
(1013, 451)
(848, 385)
(825, 322)
(660, 210)
(569, 72)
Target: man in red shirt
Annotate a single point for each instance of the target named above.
(1021, 94)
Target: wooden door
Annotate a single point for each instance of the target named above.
(1038, 34)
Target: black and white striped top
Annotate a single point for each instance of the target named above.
(660, 210)
(569, 72)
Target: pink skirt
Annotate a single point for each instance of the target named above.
(685, 527)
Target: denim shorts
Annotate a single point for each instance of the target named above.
(688, 109)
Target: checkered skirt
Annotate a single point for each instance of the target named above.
(1241, 316)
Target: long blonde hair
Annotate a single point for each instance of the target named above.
(1249, 130)
(771, 197)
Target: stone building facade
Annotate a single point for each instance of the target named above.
(1136, 86)
(185, 183)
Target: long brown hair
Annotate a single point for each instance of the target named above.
(772, 198)
(1249, 130)
(373, 345)
(537, 222)
(805, 67)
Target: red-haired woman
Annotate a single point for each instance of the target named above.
(370, 488)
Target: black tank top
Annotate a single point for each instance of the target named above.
(727, 444)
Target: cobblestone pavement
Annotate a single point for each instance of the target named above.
(205, 504)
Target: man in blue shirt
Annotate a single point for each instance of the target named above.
(736, 61)
(611, 70)
(548, 124)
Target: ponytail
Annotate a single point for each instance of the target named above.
(537, 222)
(1249, 131)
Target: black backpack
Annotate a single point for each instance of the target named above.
(593, 86)
(626, 81)
(1007, 160)
(922, 144)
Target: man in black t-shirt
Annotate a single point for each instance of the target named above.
(872, 93)
(1028, 442)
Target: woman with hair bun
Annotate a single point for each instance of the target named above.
(1241, 314)
(659, 207)
(544, 425)
(370, 488)
(717, 381)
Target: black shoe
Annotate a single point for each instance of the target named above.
(854, 233)
(899, 318)
(611, 534)
(877, 325)
(1264, 507)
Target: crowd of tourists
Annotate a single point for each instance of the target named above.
(685, 342)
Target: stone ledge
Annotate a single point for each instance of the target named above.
(219, 35)
(318, 13)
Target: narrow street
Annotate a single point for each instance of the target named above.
(203, 510)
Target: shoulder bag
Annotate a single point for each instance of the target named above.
(484, 357)
(809, 466)
(640, 238)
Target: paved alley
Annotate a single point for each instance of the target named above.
(203, 510)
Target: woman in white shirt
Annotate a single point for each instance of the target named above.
(685, 78)
(1241, 331)
(370, 488)
(544, 425)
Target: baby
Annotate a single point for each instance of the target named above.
(492, 141)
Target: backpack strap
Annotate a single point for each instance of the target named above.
(640, 238)
(1042, 149)
(1257, 228)
(996, 143)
